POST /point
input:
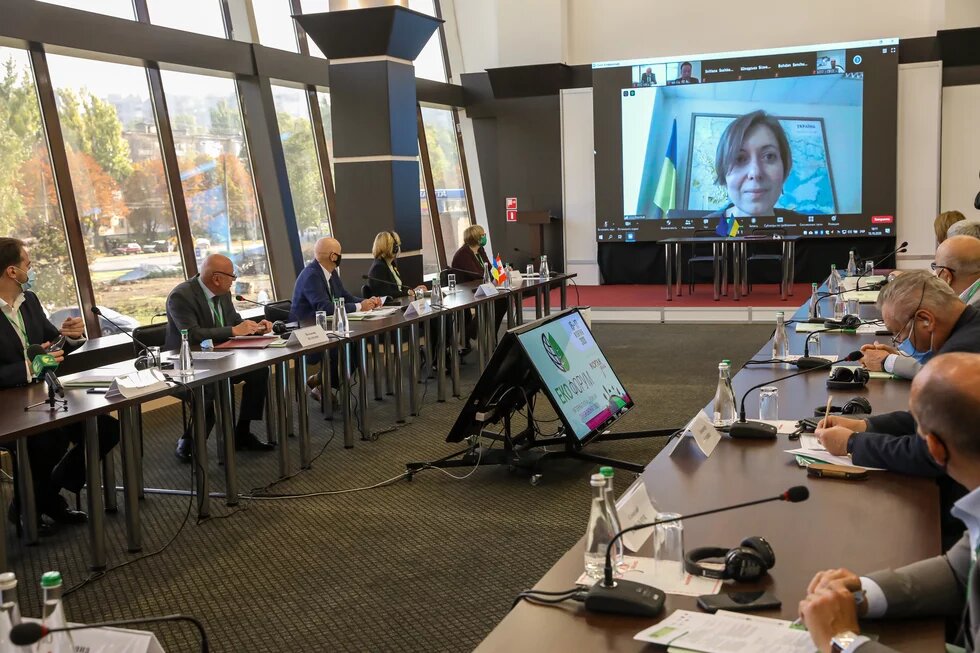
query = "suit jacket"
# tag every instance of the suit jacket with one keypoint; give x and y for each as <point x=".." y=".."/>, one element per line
<point x="188" y="308"/>
<point x="311" y="294"/>
<point x="464" y="259"/>
<point x="39" y="329"/>
<point x="383" y="282"/>
<point x="935" y="587"/>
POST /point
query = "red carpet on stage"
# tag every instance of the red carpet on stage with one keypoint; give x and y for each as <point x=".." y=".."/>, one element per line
<point x="655" y="296"/>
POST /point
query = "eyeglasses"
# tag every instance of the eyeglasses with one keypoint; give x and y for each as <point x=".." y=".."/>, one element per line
<point x="231" y="276"/>
<point x="898" y="339"/>
<point x="936" y="267"/>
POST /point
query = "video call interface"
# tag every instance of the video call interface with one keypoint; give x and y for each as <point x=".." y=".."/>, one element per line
<point x="786" y="141"/>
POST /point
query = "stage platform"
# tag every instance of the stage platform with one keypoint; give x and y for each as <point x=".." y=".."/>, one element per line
<point x="648" y="303"/>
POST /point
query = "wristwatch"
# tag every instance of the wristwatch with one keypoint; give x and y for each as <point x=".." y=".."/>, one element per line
<point x="840" y="641"/>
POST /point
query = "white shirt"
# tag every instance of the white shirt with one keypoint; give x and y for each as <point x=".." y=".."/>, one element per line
<point x="210" y="297"/>
<point x="326" y="275"/>
<point x="12" y="313"/>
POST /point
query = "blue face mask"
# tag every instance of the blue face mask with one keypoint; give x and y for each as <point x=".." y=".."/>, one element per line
<point x="31" y="279"/>
<point x="908" y="348"/>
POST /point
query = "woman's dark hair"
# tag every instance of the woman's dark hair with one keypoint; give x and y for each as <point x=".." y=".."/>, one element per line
<point x="731" y="142"/>
<point x="11" y="251"/>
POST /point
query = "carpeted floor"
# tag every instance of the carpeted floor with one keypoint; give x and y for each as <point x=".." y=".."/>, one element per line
<point x="426" y="565"/>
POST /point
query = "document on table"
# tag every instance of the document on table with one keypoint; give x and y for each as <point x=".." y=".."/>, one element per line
<point x="726" y="632"/>
<point x="209" y="355"/>
<point x="99" y="377"/>
<point x="667" y="576"/>
<point x="851" y="283"/>
<point x="816" y="455"/>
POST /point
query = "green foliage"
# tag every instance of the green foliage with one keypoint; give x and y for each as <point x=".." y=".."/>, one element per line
<point x="225" y="119"/>
<point x="146" y="193"/>
<point x="303" y="168"/>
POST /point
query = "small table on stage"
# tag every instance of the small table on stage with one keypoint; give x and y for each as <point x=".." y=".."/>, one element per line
<point x="739" y="244"/>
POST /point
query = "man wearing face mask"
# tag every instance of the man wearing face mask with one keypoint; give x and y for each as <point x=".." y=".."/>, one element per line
<point x="924" y="310"/>
<point x="203" y="306"/>
<point x="53" y="465"/>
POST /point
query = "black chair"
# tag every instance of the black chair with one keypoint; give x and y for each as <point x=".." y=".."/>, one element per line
<point x="275" y="311"/>
<point x="701" y="254"/>
<point x="764" y="252"/>
<point x="153" y="335"/>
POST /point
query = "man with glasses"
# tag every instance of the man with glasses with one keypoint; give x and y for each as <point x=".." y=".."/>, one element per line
<point x="922" y="309"/>
<point x="202" y="305"/>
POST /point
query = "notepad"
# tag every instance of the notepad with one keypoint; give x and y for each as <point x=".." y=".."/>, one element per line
<point x="726" y="632"/>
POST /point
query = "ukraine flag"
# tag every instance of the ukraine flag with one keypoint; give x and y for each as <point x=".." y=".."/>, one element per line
<point x="727" y="227"/>
<point x="666" y="195"/>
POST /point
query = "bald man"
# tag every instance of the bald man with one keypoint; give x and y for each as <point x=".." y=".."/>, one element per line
<point x="945" y="400"/>
<point x="202" y="305"/>
<point x="319" y="284"/>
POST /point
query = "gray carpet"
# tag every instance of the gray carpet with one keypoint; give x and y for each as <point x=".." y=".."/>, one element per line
<point x="427" y="565"/>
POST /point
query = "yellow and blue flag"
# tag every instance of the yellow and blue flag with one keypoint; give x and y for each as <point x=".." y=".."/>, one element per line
<point x="727" y="227"/>
<point x="666" y="196"/>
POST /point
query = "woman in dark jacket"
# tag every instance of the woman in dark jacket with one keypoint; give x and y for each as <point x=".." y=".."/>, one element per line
<point x="469" y="263"/>
<point x="385" y="278"/>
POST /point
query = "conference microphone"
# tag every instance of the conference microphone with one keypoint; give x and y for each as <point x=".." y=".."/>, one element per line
<point x="283" y="326"/>
<point x="901" y="249"/>
<point x="399" y="286"/>
<point x="806" y="362"/>
<point x="43" y="366"/>
<point x="142" y="362"/>
<point x="632" y="598"/>
<point x="758" y="430"/>
<point x="26" y="634"/>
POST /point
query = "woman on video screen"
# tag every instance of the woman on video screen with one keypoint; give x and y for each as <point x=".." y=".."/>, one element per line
<point x="752" y="161"/>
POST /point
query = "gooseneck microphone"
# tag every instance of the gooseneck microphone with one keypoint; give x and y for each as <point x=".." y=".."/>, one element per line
<point x="632" y="598"/>
<point x="806" y="362"/>
<point x="387" y="282"/>
<point x="26" y="634"/>
<point x="901" y="249"/>
<point x="44" y="365"/>
<point x="142" y="362"/>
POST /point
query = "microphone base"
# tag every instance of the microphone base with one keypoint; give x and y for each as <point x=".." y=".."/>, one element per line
<point x="811" y="363"/>
<point x="625" y="597"/>
<point x="752" y="430"/>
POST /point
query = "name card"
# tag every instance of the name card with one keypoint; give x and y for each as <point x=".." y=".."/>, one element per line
<point x="635" y="507"/>
<point x="418" y="308"/>
<point x="705" y="433"/>
<point x="138" y="383"/>
<point x="486" y="290"/>
<point x="516" y="278"/>
<point x="308" y="336"/>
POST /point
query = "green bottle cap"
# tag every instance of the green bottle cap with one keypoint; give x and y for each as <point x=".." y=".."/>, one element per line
<point x="725" y="360"/>
<point x="606" y="471"/>
<point x="51" y="579"/>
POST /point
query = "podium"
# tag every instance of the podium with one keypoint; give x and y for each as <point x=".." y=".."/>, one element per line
<point x="536" y="220"/>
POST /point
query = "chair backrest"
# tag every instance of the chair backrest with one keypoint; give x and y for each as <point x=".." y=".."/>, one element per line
<point x="153" y="335"/>
<point x="278" y="310"/>
<point x="366" y="291"/>
<point x="704" y="233"/>
<point x="769" y="231"/>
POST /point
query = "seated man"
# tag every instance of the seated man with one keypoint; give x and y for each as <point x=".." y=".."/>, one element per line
<point x="964" y="228"/>
<point x="53" y="465"/>
<point x="316" y="288"/>
<point x="945" y="399"/>
<point x="958" y="264"/>
<point x="202" y="305"/>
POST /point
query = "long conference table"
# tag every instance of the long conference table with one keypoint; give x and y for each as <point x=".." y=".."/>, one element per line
<point x="885" y="522"/>
<point x="375" y="344"/>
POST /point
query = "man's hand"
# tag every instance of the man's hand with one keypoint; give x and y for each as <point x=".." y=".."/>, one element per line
<point x="827" y="612"/>
<point x="59" y="355"/>
<point x="856" y="425"/>
<point x="370" y="303"/>
<point x="266" y="326"/>
<point x="875" y="355"/>
<point x="834" y="439"/>
<point x="246" y="328"/>
<point x="73" y="327"/>
<point x="830" y="577"/>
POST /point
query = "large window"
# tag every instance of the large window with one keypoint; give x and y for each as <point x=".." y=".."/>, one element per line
<point x="302" y="165"/>
<point x="216" y="177"/>
<point x="447" y="175"/>
<point x="430" y="260"/>
<point x="314" y="7"/>
<point x="29" y="207"/>
<point x="120" y="188"/>
<point x="323" y="99"/>
<point x="117" y="8"/>
<point x="275" y="23"/>
<point x="201" y="16"/>
<point x="430" y="63"/>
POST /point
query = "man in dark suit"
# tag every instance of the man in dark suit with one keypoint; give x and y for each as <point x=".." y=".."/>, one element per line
<point x="945" y="400"/>
<point x="202" y="305"/>
<point x="53" y="465"/>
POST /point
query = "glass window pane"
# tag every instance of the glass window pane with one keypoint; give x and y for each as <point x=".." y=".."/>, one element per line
<point x="119" y="184"/>
<point x="430" y="260"/>
<point x="216" y="176"/>
<point x="447" y="175"/>
<point x="274" y="21"/>
<point x="314" y="7"/>
<point x="302" y="165"/>
<point x="29" y="207"/>
<point x="323" y="98"/>
<point x="429" y="64"/>
<point x="201" y="16"/>
<point x="117" y="8"/>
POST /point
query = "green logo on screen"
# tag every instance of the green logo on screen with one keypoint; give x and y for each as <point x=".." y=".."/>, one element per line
<point x="555" y="353"/>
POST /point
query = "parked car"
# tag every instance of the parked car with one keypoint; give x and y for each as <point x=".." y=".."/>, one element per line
<point x="128" y="248"/>
<point x="155" y="246"/>
<point x="125" y="323"/>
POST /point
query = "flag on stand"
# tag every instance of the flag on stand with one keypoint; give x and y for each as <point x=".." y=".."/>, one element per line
<point x="666" y="195"/>
<point x="499" y="272"/>
<point x="727" y="227"/>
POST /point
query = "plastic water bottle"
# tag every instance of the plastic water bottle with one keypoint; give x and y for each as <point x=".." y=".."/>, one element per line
<point x="840" y="307"/>
<point x="487" y="278"/>
<point x="341" y="325"/>
<point x="54" y="616"/>
<point x="724" y="403"/>
<point x="833" y="282"/>
<point x="852" y="266"/>
<point x="186" y="361"/>
<point x="780" y="344"/>
<point x="608" y="473"/>
<point x="507" y="272"/>
<point x="814" y="303"/>
<point x="435" y="297"/>
<point x="544" y="270"/>
<point x="9" y="610"/>
<point x="600" y="531"/>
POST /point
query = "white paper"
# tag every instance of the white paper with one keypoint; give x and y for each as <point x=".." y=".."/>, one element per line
<point x="209" y="355"/>
<point x="811" y="442"/>
<point x="720" y="633"/>
<point x="665" y="576"/>
<point x="418" y="307"/>
<point x="850" y="283"/>
<point x="635" y="507"/>
<point x="308" y="336"/>
<point x="138" y="383"/>
<point x="485" y="290"/>
<point x="830" y="458"/>
<point x="705" y="433"/>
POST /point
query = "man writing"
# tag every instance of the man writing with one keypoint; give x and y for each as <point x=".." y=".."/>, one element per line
<point x="944" y="399"/>
<point x="53" y="465"/>
<point x="202" y="305"/>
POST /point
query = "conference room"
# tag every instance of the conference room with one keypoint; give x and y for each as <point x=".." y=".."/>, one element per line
<point x="445" y="325"/>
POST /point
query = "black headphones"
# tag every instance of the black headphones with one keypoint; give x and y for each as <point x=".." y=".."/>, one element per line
<point x="279" y="327"/>
<point x="747" y="562"/>
<point x="395" y="245"/>
<point x="854" y="406"/>
<point x="848" y="378"/>
<point x="846" y="322"/>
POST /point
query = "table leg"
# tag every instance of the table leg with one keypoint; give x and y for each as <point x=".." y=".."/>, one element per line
<point x="286" y="402"/>
<point x="743" y="255"/>
<point x="138" y="442"/>
<point x="456" y="333"/>
<point x="413" y="368"/>
<point x="397" y="368"/>
<point x="346" y="412"/>
<point x="677" y="268"/>
<point x="563" y="290"/>
<point x="96" y="510"/>
<point x="430" y="347"/>
<point x="669" y="270"/>
<point x="441" y="359"/>
<point x="716" y="262"/>
<point x="28" y="502"/>
<point x="326" y="387"/>
<point x="546" y="292"/>
<point x="389" y="368"/>
<point x="130" y="492"/>
<point x="784" y="277"/>
<point x="538" y="303"/>
<point x="303" y="417"/>
<point x="724" y="269"/>
<point x="736" y="271"/>
<point x="792" y="267"/>
<point x="362" y="393"/>
<point x="284" y="406"/>
<point x="511" y="317"/>
<point x="200" y="460"/>
<point x="109" y="482"/>
<point x="519" y="310"/>
<point x="481" y="343"/>
<point x="378" y="366"/>
<point x="272" y="424"/>
<point x="226" y="428"/>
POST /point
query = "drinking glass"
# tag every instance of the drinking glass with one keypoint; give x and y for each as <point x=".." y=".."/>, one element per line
<point x="668" y="547"/>
<point x="853" y="307"/>
<point x="530" y="270"/>
<point x="321" y="320"/>
<point x="869" y="268"/>
<point x="153" y="354"/>
<point x="452" y="284"/>
<point x="815" y="344"/>
<point x="769" y="403"/>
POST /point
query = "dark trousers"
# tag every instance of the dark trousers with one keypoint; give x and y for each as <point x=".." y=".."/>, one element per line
<point x="471" y="323"/>
<point x="252" y="406"/>
<point x="58" y="461"/>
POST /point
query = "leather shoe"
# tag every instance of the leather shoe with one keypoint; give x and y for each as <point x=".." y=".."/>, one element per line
<point x="183" y="451"/>
<point x="249" y="442"/>
<point x="44" y="528"/>
<point x="67" y="516"/>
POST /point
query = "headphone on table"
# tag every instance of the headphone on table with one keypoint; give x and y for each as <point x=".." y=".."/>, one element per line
<point x="745" y="563"/>
<point x="854" y="406"/>
<point x="848" y="378"/>
<point x="846" y="322"/>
